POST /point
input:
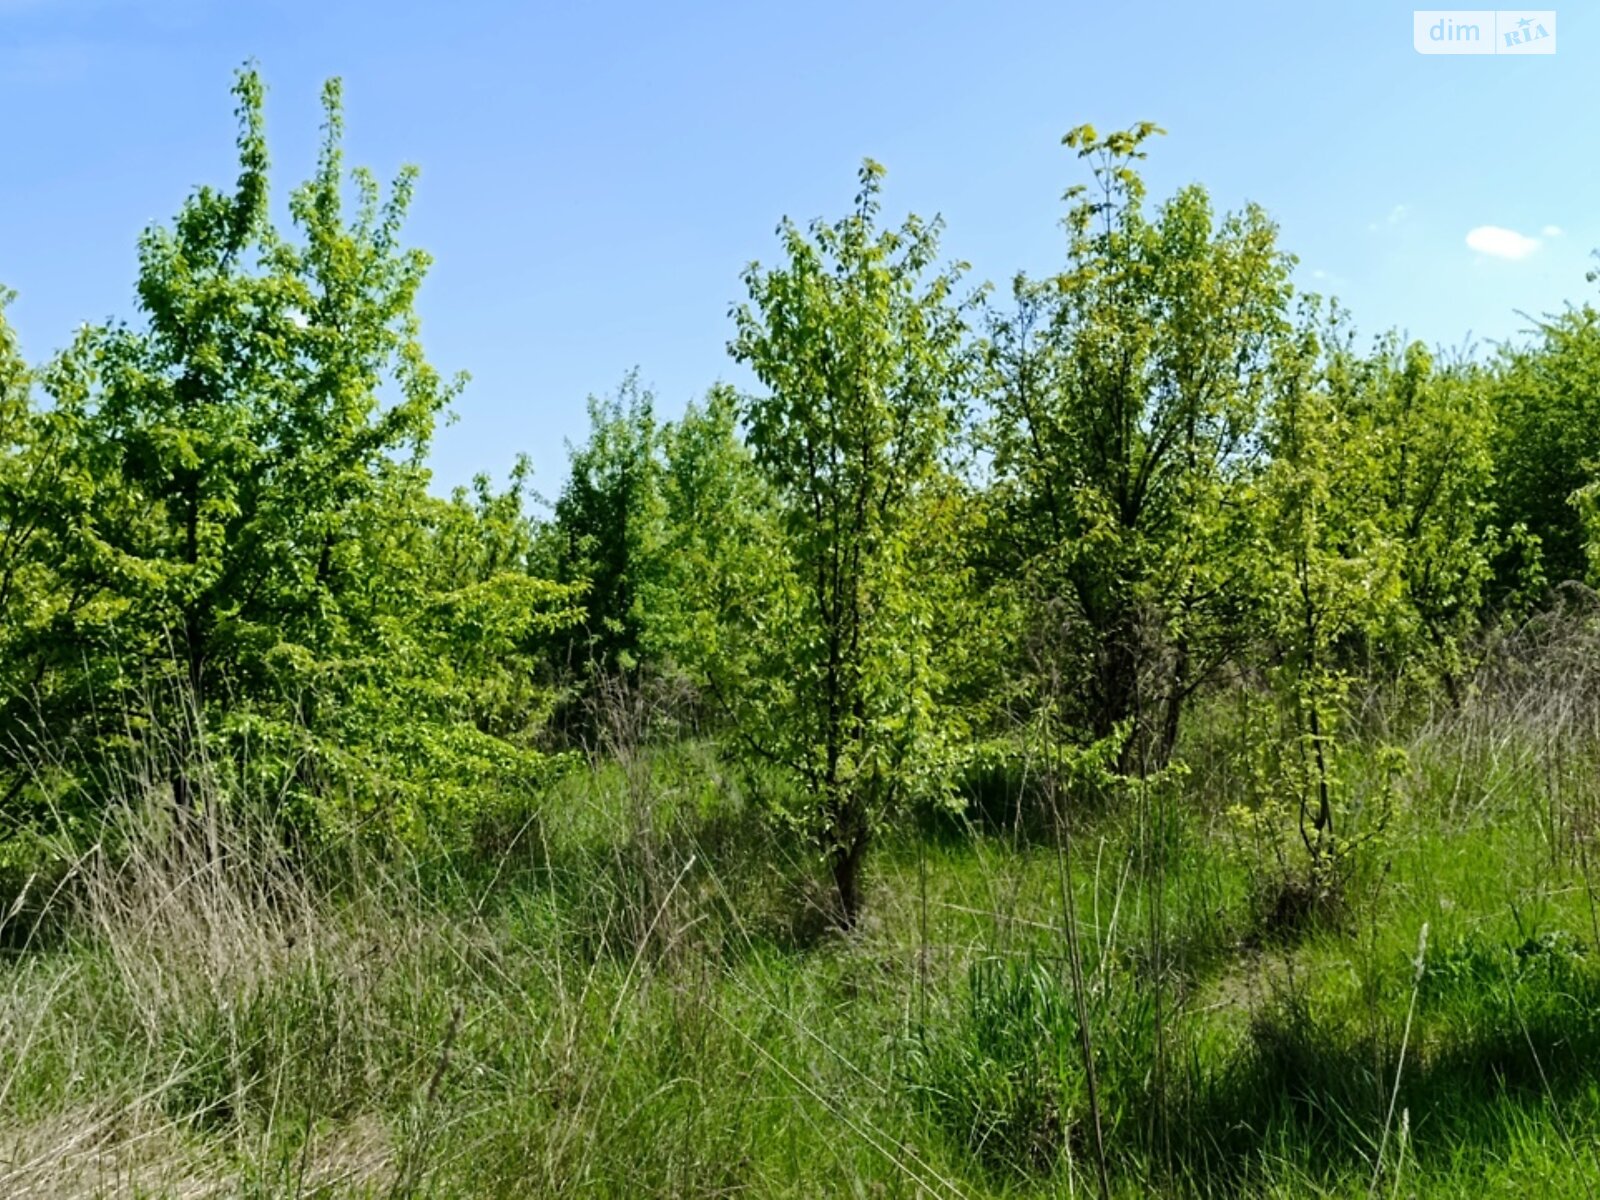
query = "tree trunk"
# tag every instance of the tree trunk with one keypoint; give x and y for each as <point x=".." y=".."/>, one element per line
<point x="1117" y="671"/>
<point x="1173" y="708"/>
<point x="848" y="855"/>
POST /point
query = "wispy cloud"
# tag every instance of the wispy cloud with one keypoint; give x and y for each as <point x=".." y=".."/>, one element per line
<point x="1498" y="242"/>
<point x="1397" y="214"/>
<point x="1552" y="231"/>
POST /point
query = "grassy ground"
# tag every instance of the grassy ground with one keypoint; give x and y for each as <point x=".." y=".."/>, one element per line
<point x="626" y="989"/>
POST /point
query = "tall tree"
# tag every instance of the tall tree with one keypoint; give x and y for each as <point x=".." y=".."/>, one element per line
<point x="246" y="414"/>
<point x="1127" y="408"/>
<point x="256" y="566"/>
<point x="861" y="345"/>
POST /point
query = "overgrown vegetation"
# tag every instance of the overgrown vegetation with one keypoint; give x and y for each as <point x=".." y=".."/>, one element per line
<point x="1128" y="736"/>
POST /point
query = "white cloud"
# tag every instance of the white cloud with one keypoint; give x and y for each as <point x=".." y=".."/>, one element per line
<point x="1552" y="231"/>
<point x="1396" y="214"/>
<point x="1501" y="243"/>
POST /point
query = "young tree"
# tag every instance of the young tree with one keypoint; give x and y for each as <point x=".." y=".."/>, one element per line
<point x="1436" y="431"/>
<point x="1546" y="400"/>
<point x="254" y="569"/>
<point x="717" y="521"/>
<point x="1332" y="563"/>
<point x="608" y="527"/>
<point x="22" y="510"/>
<point x="431" y="706"/>
<point x="862" y="348"/>
<point x="36" y="490"/>
<point x="245" y="415"/>
<point x="1127" y="405"/>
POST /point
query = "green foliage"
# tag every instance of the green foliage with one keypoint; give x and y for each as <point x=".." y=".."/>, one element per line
<point x="1128" y="396"/>
<point x="230" y="497"/>
<point x="1436" y="435"/>
<point x="31" y="500"/>
<point x="609" y="525"/>
<point x="719" y="529"/>
<point x="1545" y="394"/>
<point x="1163" y="575"/>
<point x="909" y="547"/>
<point x="664" y="526"/>
<point x="1333" y="572"/>
<point x="862" y="347"/>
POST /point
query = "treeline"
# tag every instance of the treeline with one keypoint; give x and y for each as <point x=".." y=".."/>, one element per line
<point x="948" y="528"/>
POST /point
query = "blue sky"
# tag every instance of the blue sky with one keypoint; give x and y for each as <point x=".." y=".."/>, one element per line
<point x="595" y="175"/>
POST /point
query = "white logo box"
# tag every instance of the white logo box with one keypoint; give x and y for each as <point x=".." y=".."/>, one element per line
<point x="1484" y="31"/>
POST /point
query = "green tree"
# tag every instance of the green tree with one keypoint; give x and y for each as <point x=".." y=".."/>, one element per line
<point x="1546" y="397"/>
<point x="608" y="527"/>
<point x="36" y="491"/>
<point x="1330" y="554"/>
<point x="660" y="523"/>
<point x="718" y="520"/>
<point x="245" y="413"/>
<point x="862" y="348"/>
<point x="65" y="591"/>
<point x="22" y="515"/>
<point x="1436" y="436"/>
<point x="1127" y="405"/>
<point x="257" y="569"/>
<point x="429" y="707"/>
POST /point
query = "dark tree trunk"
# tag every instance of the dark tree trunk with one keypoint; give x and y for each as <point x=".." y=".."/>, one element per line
<point x="846" y="859"/>
<point x="1172" y="713"/>
<point x="1117" y="671"/>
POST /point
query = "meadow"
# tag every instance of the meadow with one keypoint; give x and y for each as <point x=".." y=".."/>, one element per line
<point x="1125" y="738"/>
<point x="631" y="988"/>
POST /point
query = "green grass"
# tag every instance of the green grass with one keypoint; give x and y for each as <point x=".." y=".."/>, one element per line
<point x="628" y="989"/>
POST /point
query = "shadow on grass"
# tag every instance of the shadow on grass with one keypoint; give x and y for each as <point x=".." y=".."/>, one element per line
<point x="1495" y="1025"/>
<point x="1007" y="799"/>
<point x="718" y="879"/>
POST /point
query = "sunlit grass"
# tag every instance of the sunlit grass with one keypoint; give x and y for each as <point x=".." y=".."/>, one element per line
<point x="629" y="989"/>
